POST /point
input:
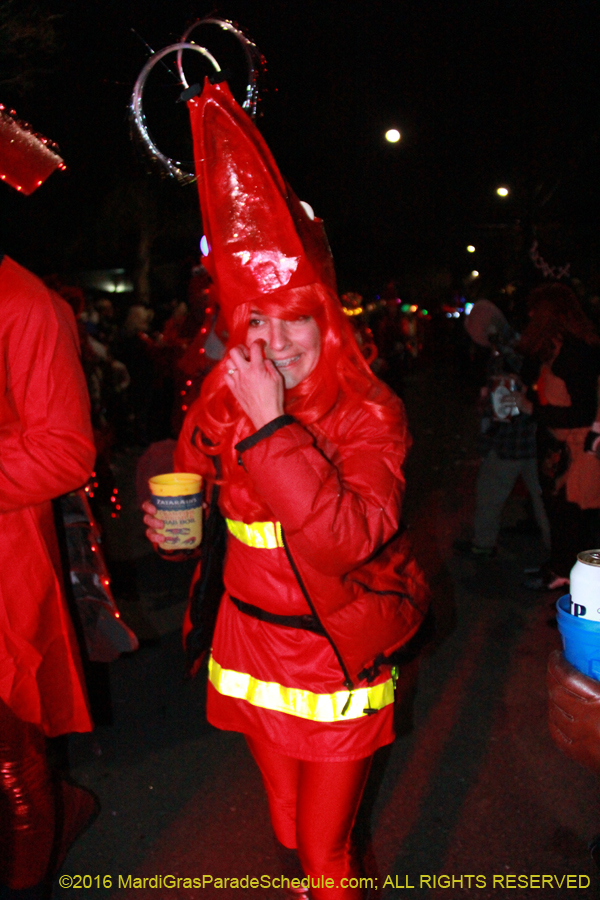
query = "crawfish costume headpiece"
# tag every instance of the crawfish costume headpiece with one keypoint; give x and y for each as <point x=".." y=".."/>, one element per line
<point x="259" y="239"/>
<point x="262" y="247"/>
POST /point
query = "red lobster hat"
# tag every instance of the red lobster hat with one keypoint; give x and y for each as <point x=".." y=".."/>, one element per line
<point x="26" y="159"/>
<point x="260" y="239"/>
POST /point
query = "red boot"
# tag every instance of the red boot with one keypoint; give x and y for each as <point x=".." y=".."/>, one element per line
<point x="27" y="803"/>
<point x="296" y="893"/>
<point x="40" y="817"/>
<point x="292" y="870"/>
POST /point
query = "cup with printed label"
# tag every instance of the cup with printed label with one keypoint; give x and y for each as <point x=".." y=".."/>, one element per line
<point x="178" y="500"/>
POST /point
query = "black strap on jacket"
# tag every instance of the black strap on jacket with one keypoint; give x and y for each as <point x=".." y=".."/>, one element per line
<point x="305" y="623"/>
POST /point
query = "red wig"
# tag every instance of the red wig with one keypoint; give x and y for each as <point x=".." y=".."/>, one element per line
<point x="341" y="373"/>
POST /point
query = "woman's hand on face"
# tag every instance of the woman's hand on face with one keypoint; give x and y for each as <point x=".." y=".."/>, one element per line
<point x="155" y="526"/>
<point x="255" y="383"/>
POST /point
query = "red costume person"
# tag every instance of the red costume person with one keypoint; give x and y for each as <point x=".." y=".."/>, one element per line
<point x="46" y="449"/>
<point x="320" y="583"/>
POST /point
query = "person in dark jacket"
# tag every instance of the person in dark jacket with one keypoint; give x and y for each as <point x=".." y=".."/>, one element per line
<point x="507" y="437"/>
<point x="563" y="350"/>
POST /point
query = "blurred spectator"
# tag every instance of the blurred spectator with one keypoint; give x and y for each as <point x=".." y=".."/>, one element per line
<point x="135" y="350"/>
<point x="389" y="339"/>
<point x="508" y="437"/>
<point x="353" y="307"/>
<point x="564" y="356"/>
<point x="47" y="449"/>
<point x="201" y="355"/>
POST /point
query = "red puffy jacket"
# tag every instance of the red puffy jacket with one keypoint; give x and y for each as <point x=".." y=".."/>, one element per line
<point x="337" y="493"/>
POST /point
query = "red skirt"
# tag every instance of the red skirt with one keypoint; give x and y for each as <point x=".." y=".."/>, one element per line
<point x="276" y="657"/>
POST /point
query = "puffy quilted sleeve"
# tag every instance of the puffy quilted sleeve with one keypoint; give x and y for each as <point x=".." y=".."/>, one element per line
<point x="340" y="502"/>
<point x="189" y="456"/>
<point x="46" y="442"/>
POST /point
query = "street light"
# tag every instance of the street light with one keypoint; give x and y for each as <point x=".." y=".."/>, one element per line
<point x="502" y="191"/>
<point x="392" y="136"/>
<point x="470" y="248"/>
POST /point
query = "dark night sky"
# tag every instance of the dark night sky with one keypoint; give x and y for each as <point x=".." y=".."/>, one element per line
<point x="483" y="93"/>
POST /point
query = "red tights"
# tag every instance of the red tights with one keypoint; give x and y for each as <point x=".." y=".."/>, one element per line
<point x="313" y="806"/>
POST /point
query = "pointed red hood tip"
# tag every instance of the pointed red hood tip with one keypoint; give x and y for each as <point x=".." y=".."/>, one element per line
<point x="260" y="239"/>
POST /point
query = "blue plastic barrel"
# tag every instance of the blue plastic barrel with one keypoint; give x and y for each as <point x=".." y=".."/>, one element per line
<point x="581" y="639"/>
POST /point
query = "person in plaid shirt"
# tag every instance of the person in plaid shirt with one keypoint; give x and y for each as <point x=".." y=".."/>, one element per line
<point x="508" y="436"/>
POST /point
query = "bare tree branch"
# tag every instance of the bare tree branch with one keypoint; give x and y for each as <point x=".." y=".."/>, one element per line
<point x="29" y="40"/>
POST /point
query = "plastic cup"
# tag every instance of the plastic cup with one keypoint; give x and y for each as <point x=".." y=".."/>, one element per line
<point x="177" y="498"/>
<point x="580" y="637"/>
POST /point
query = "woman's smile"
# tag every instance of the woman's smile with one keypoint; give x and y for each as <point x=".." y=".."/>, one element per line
<point x="283" y="363"/>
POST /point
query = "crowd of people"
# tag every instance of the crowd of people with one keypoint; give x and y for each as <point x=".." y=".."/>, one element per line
<point x="144" y="366"/>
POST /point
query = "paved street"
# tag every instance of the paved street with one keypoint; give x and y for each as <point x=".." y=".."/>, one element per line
<point x="472" y="787"/>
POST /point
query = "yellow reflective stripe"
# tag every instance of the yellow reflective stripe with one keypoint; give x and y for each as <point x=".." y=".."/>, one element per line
<point x="298" y="702"/>
<point x="263" y="535"/>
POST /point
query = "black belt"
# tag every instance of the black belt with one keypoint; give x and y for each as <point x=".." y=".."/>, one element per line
<point x="305" y="623"/>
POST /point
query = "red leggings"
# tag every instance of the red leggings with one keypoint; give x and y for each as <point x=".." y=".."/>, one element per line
<point x="313" y="806"/>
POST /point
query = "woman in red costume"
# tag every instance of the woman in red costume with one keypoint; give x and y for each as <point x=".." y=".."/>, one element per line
<point x="46" y="449"/>
<point x="320" y="583"/>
